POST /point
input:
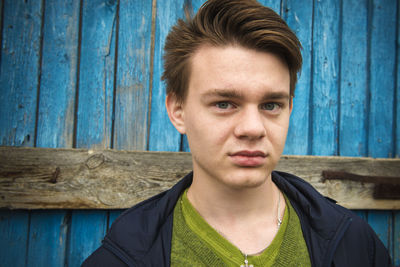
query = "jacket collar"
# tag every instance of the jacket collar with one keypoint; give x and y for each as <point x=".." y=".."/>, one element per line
<point x="322" y="221"/>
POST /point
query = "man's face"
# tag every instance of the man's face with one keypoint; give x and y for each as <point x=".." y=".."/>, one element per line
<point x="236" y="114"/>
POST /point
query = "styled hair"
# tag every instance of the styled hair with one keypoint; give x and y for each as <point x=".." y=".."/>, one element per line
<point x="245" y="23"/>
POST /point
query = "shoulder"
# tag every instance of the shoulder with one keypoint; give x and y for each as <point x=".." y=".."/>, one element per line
<point x="122" y="246"/>
<point x="151" y="213"/>
<point x="142" y="233"/>
<point x="134" y="215"/>
<point x="357" y="245"/>
<point x="360" y="245"/>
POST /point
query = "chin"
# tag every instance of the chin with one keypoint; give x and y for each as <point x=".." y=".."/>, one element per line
<point x="247" y="180"/>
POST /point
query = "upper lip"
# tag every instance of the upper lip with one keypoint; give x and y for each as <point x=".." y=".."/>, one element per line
<point x="249" y="153"/>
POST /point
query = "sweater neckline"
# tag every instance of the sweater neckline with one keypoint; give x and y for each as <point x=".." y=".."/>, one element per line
<point x="222" y="247"/>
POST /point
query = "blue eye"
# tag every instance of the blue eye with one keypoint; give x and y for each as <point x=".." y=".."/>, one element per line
<point x="223" y="105"/>
<point x="270" y="106"/>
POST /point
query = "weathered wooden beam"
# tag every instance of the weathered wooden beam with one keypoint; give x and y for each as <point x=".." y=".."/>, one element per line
<point x="41" y="178"/>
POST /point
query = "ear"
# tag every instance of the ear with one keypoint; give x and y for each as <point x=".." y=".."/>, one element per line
<point x="176" y="113"/>
<point x="290" y="105"/>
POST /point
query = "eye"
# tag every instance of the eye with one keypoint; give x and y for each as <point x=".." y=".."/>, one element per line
<point x="270" y="106"/>
<point x="223" y="105"/>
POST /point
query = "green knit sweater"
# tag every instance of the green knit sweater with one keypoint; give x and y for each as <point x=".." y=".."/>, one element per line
<point x="196" y="243"/>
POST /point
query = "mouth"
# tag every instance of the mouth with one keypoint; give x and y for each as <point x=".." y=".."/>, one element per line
<point x="248" y="158"/>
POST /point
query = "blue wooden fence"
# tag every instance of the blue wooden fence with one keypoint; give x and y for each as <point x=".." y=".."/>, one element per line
<point x="86" y="74"/>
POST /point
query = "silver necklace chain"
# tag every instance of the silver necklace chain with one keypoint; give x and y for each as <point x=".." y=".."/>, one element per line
<point x="246" y="261"/>
<point x="277" y="215"/>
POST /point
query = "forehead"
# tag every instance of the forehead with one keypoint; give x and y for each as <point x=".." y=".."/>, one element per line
<point x="237" y="69"/>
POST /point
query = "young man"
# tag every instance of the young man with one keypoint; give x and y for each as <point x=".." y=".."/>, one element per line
<point x="230" y="74"/>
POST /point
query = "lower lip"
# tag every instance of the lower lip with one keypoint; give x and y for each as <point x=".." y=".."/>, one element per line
<point x="246" y="161"/>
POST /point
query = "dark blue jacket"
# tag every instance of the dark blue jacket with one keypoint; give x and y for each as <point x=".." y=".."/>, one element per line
<point x="335" y="236"/>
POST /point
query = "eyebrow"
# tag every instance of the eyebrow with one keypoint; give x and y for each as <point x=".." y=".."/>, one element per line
<point x="228" y="93"/>
<point x="235" y="94"/>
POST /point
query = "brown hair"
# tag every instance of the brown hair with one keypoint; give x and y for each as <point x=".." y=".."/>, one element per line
<point x="228" y="22"/>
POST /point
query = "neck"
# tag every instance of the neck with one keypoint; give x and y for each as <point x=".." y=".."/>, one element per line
<point x="218" y="203"/>
<point x="247" y="217"/>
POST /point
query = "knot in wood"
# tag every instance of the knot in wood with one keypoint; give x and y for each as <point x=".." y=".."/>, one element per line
<point x="55" y="175"/>
<point x="95" y="161"/>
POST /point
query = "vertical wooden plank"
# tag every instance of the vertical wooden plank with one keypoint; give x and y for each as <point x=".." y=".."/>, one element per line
<point x="55" y="119"/>
<point x="1" y="26"/>
<point x="353" y="83"/>
<point x="87" y="230"/>
<point x="19" y="71"/>
<point x="163" y="135"/>
<point x="381" y="222"/>
<point x="59" y="70"/>
<point x="48" y="231"/>
<point x="14" y="226"/>
<point x="397" y="103"/>
<point x="396" y="214"/>
<point x="299" y="17"/>
<point x="133" y="78"/>
<point x="382" y="92"/>
<point x="133" y="75"/>
<point x="382" y="86"/>
<point x="94" y="116"/>
<point x="325" y="77"/>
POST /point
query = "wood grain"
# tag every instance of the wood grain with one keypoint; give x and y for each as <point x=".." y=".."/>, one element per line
<point x="47" y="227"/>
<point x="163" y="136"/>
<point x="397" y="101"/>
<point x="108" y="179"/>
<point x="55" y="120"/>
<point x="324" y="101"/>
<point x="299" y="17"/>
<point x="96" y="81"/>
<point x="95" y="112"/>
<point x="88" y="228"/>
<point x="14" y="227"/>
<point x="19" y="68"/>
<point x="382" y="91"/>
<point x="381" y="108"/>
<point x="133" y="75"/>
<point x="354" y="79"/>
<point x="58" y="78"/>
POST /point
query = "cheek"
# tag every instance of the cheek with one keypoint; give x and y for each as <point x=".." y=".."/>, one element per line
<point x="207" y="135"/>
<point x="277" y="133"/>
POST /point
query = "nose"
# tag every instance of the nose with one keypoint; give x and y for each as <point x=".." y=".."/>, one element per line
<point x="250" y="124"/>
